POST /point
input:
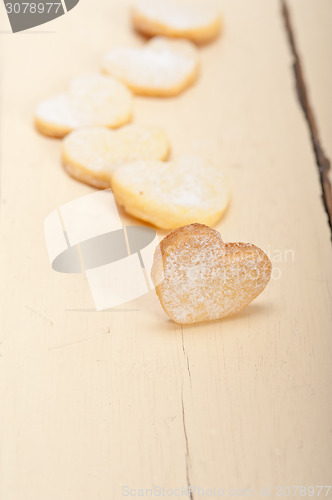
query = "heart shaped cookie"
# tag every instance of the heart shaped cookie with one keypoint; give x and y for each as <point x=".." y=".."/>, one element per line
<point x="91" y="100"/>
<point x="198" y="277"/>
<point x="162" y="67"/>
<point x="199" y="22"/>
<point x="90" y="154"/>
<point x="172" y="194"/>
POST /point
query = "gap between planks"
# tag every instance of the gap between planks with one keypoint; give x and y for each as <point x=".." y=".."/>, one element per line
<point x="322" y="161"/>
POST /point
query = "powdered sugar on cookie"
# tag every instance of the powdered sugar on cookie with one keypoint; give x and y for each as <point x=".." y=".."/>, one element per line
<point x="91" y="100"/>
<point x="90" y="154"/>
<point x="197" y="21"/>
<point x="170" y="194"/>
<point x="162" y="67"/>
<point x="204" y="278"/>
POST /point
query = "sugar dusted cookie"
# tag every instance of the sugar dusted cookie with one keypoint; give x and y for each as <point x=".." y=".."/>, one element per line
<point x="91" y="100"/>
<point x="196" y="21"/>
<point x="198" y="277"/>
<point x="171" y="194"/>
<point x="162" y="67"/>
<point x="90" y="154"/>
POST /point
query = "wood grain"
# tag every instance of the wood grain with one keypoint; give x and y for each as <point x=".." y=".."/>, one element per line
<point x="95" y="401"/>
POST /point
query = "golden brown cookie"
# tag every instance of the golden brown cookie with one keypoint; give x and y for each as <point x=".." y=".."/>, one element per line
<point x="199" y="22"/>
<point x="198" y="277"/>
<point x="90" y="154"/>
<point x="171" y="194"/>
<point x="162" y="67"/>
<point x="91" y="100"/>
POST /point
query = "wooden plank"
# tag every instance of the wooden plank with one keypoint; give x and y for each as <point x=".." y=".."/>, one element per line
<point x="312" y="23"/>
<point x="95" y="401"/>
<point x="322" y="160"/>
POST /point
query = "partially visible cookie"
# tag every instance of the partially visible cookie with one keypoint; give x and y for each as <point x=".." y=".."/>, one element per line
<point x="91" y="100"/>
<point x="90" y="154"/>
<point x="198" y="22"/>
<point x="198" y="277"/>
<point x="162" y="67"/>
<point x="172" y="194"/>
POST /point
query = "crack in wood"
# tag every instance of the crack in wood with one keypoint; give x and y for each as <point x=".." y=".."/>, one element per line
<point x="323" y="162"/>
<point x="64" y="346"/>
<point x="187" y="449"/>
<point x="186" y="356"/>
<point x="187" y="456"/>
<point x="40" y="315"/>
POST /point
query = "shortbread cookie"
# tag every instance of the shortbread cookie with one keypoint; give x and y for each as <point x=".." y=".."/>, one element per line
<point x="171" y="194"/>
<point x="91" y="100"/>
<point x="162" y="67"/>
<point x="199" y="22"/>
<point x="198" y="277"/>
<point x="90" y="154"/>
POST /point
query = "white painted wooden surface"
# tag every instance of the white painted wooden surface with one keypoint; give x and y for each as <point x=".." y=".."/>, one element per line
<point x="90" y="401"/>
<point x="312" y="27"/>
